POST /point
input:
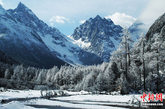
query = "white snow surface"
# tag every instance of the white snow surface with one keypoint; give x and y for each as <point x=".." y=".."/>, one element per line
<point x="15" y="105"/>
<point x="108" y="98"/>
<point x="2" y="35"/>
<point x="18" y="29"/>
<point x="62" y="47"/>
<point x="19" y="94"/>
<point x="72" y="105"/>
<point x="82" y="99"/>
<point x="79" y="42"/>
<point x="68" y="49"/>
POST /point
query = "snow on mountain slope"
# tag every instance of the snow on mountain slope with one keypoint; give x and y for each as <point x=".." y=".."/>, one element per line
<point x="63" y="49"/>
<point x="23" y="44"/>
<point x="79" y="42"/>
<point x="25" y="29"/>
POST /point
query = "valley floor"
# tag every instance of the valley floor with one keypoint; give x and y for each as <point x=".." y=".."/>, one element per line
<point x="74" y="100"/>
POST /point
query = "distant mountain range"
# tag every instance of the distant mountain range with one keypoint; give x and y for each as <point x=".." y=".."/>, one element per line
<point x="137" y="29"/>
<point x="30" y="41"/>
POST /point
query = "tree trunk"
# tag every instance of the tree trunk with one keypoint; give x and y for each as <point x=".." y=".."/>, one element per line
<point x="129" y="60"/>
<point x="157" y="68"/>
<point x="144" y="67"/>
<point x="121" y="65"/>
<point x="126" y="70"/>
<point x="140" y="78"/>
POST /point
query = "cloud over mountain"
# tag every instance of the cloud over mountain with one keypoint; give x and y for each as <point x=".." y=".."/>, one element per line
<point x="122" y="19"/>
<point x="58" y="19"/>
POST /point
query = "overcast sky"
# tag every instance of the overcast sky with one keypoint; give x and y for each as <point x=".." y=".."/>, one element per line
<point x="66" y="15"/>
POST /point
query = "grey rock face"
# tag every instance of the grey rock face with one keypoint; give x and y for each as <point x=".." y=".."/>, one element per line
<point x="157" y="27"/>
<point x="102" y="33"/>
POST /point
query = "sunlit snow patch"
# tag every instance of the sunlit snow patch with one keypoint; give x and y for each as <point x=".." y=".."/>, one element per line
<point x="79" y="42"/>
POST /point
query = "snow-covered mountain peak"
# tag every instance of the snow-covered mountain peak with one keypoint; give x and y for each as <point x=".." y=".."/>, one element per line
<point x="2" y="10"/>
<point x="22" y="7"/>
<point x="100" y="19"/>
<point x="97" y="17"/>
<point x="23" y="13"/>
<point x="102" y="34"/>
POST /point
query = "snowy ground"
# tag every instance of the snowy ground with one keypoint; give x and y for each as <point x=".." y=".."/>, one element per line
<point x="77" y="100"/>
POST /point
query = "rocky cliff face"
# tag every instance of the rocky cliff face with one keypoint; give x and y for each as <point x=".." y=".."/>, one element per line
<point x="102" y="34"/>
<point x="157" y="27"/>
<point x="156" y="34"/>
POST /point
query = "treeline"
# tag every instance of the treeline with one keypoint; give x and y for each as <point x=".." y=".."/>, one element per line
<point x="104" y="77"/>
